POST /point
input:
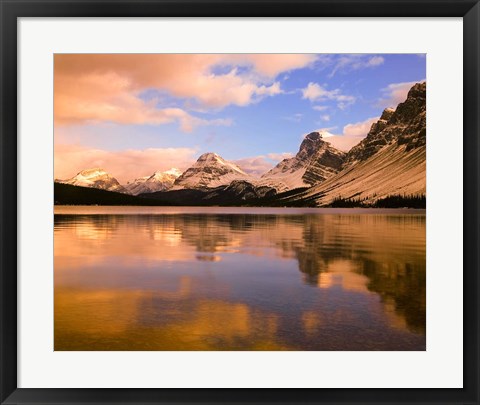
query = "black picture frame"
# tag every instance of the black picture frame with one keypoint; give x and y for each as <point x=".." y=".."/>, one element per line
<point x="11" y="10"/>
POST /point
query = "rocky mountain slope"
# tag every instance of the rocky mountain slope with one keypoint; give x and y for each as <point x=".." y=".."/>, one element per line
<point x="95" y="178"/>
<point x="315" y="162"/>
<point x="390" y="160"/>
<point x="158" y="181"/>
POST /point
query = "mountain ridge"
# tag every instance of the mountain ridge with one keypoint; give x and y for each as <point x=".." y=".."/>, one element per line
<point x="390" y="160"/>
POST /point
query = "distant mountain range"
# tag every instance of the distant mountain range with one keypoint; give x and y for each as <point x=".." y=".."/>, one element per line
<point x="99" y="178"/>
<point x="390" y="161"/>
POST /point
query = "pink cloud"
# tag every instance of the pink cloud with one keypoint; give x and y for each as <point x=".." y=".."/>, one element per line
<point x="395" y="93"/>
<point x="255" y="166"/>
<point x="107" y="87"/>
<point x="359" y="128"/>
<point x="352" y="134"/>
<point x="277" y="157"/>
<point x="271" y="65"/>
<point x="258" y="165"/>
<point x="343" y="142"/>
<point x="108" y="97"/>
<point x="124" y="165"/>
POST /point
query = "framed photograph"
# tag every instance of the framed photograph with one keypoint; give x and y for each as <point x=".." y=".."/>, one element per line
<point x="210" y="202"/>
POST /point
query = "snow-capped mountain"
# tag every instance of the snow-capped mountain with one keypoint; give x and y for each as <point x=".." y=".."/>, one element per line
<point x="95" y="178"/>
<point x="391" y="160"/>
<point x="158" y="181"/>
<point x="315" y="161"/>
<point x="209" y="171"/>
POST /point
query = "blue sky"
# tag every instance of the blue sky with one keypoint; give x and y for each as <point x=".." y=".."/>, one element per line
<point x="241" y="109"/>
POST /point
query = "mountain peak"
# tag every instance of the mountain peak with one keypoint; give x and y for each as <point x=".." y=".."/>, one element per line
<point x="97" y="178"/>
<point x="95" y="171"/>
<point x="173" y="171"/>
<point x="311" y="144"/>
<point x="211" y="159"/>
<point x="210" y="170"/>
<point x="158" y="181"/>
<point x="209" y="156"/>
<point x="387" y="113"/>
<point x="314" y="136"/>
<point x="418" y="90"/>
<point x="315" y="161"/>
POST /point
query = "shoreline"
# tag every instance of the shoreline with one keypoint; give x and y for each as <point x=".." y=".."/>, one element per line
<point x="212" y="210"/>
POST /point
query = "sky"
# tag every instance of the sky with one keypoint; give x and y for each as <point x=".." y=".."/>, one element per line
<point x="134" y="114"/>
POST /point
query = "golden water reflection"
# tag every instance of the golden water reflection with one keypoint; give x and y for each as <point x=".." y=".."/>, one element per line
<point x="206" y="281"/>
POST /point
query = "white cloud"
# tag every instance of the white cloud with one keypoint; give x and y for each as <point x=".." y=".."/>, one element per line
<point x="315" y="92"/>
<point x="375" y="61"/>
<point x="351" y="62"/>
<point x="325" y="117"/>
<point x="320" y="107"/>
<point x="295" y="117"/>
<point x="272" y="90"/>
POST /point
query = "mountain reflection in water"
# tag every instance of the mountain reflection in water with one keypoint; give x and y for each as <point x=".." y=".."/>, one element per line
<point x="237" y="281"/>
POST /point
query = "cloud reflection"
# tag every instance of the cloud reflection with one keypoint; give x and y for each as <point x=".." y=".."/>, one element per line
<point x="231" y="282"/>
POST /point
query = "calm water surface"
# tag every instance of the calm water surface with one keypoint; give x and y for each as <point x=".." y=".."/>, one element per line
<point x="170" y="278"/>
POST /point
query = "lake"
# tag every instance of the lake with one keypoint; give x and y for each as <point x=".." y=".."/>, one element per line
<point x="215" y="278"/>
